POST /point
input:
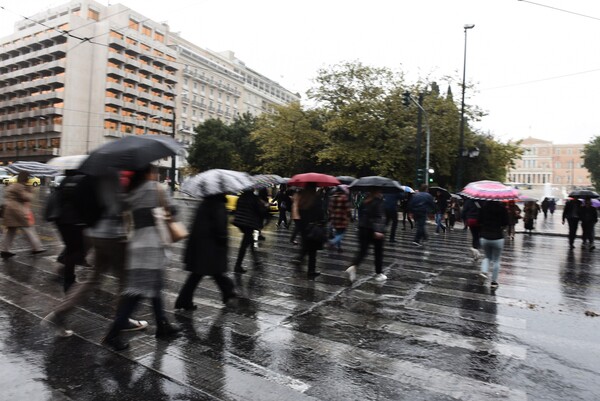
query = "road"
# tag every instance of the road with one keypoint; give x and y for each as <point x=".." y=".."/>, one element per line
<point x="430" y="332"/>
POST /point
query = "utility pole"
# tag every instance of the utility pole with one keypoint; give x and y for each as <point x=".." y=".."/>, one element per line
<point x="419" y="139"/>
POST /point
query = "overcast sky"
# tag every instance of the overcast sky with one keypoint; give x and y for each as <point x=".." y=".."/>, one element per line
<point x="536" y="70"/>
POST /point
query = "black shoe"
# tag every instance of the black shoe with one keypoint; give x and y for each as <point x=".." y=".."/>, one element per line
<point x="6" y="255"/>
<point x="312" y="275"/>
<point x="38" y="251"/>
<point x="261" y="238"/>
<point x="186" y="306"/>
<point x="166" y="329"/>
<point x="228" y="297"/>
<point x="116" y="342"/>
<point x="239" y="269"/>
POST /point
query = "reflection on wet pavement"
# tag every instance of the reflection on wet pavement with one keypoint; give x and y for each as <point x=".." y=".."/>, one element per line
<point x="430" y="332"/>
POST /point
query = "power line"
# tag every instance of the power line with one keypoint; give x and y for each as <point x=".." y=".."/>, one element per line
<point x="541" y="80"/>
<point x="562" y="10"/>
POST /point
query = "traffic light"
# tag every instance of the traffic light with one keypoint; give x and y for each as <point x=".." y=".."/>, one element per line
<point x="420" y="178"/>
<point x="406" y="99"/>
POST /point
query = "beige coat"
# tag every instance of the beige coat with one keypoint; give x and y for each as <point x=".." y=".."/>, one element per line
<point x="17" y="201"/>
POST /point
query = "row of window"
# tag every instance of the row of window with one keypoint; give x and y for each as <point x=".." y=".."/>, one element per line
<point x="557" y="151"/>
<point x="31" y="144"/>
<point x="146" y="30"/>
<point x="30" y="123"/>
<point x="126" y="128"/>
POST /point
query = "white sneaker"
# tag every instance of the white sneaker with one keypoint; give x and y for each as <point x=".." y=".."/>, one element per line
<point x="351" y="273"/>
<point x="51" y="322"/>
<point x="380" y="277"/>
<point x="482" y="277"/>
<point x="476" y="254"/>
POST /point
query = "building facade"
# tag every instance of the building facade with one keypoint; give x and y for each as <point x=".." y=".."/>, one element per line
<point x="544" y="163"/>
<point x="83" y="74"/>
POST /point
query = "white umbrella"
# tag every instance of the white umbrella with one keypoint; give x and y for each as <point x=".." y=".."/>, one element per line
<point x="216" y="181"/>
<point x="67" y="162"/>
<point x="34" y="168"/>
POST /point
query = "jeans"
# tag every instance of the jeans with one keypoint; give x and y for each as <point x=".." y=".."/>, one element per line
<point x="492" y="249"/>
<point x="439" y="217"/>
<point x="366" y="238"/>
<point x="420" y="220"/>
<point x="337" y="239"/>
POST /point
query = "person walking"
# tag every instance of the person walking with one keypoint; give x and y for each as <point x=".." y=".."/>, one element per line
<point x="545" y="207"/>
<point x="295" y="216"/>
<point x="249" y="215"/>
<point x="18" y="215"/>
<point x="109" y="241"/>
<point x="283" y="201"/>
<point x="146" y="258"/>
<point x="453" y="213"/>
<point x="441" y="204"/>
<point x="514" y="214"/>
<point x="339" y="216"/>
<point x="589" y="217"/>
<point x="552" y="206"/>
<point x="420" y="204"/>
<point x="390" y="203"/>
<point x="404" y="209"/>
<point x="493" y="218"/>
<point x="470" y="215"/>
<point x="371" y="230"/>
<point x="530" y="210"/>
<point x="312" y="220"/>
<point x="571" y="215"/>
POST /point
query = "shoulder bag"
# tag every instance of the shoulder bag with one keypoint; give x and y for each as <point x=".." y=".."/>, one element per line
<point x="169" y="230"/>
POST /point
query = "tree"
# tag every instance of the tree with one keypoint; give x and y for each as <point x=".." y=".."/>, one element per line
<point x="591" y="160"/>
<point x="288" y="140"/>
<point x="247" y="153"/>
<point x="211" y="147"/>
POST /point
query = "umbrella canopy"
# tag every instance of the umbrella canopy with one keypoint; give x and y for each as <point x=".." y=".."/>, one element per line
<point x="525" y="198"/>
<point x="456" y="196"/>
<point x="132" y="152"/>
<point x="266" y="180"/>
<point x="346" y="179"/>
<point x="407" y="189"/>
<point x="34" y="168"/>
<point x="489" y="190"/>
<point x="215" y="182"/>
<point x="583" y="193"/>
<point x="67" y="162"/>
<point x="382" y="183"/>
<point x="434" y="190"/>
<point x="322" y="180"/>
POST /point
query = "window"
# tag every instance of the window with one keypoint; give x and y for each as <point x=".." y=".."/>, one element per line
<point x="76" y="11"/>
<point x="133" y="24"/>
<point x="557" y="152"/>
<point x="146" y="30"/>
<point x="114" y="34"/>
<point x="159" y="37"/>
<point x="93" y="15"/>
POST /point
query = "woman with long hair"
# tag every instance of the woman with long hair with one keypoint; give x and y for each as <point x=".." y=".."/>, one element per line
<point x="146" y="257"/>
<point x="492" y="218"/>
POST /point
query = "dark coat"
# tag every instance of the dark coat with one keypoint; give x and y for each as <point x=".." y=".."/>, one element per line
<point x="493" y="217"/>
<point x="206" y="250"/>
<point x="250" y="212"/>
<point x="372" y="215"/>
<point x="311" y="214"/>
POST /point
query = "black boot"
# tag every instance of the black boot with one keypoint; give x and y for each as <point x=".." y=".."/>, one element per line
<point x="114" y="340"/>
<point x="166" y="329"/>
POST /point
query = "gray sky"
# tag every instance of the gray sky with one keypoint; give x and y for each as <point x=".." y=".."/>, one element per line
<point x="516" y="52"/>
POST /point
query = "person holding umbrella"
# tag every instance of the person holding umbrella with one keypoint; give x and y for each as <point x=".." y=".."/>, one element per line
<point x="207" y="246"/>
<point x="312" y="223"/>
<point x="589" y="217"/>
<point x="420" y="204"/>
<point x="371" y="230"/>
<point x="492" y="218"/>
<point x="146" y="258"/>
<point x="250" y="213"/>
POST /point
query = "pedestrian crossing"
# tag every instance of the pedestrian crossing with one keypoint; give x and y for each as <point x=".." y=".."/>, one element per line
<point x="430" y="332"/>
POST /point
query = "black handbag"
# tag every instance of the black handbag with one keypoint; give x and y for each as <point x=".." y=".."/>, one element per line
<point x="316" y="233"/>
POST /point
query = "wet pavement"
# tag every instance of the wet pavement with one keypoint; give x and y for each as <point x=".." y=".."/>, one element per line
<point x="430" y="332"/>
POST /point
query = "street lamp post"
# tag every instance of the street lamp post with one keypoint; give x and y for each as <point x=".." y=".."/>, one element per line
<point x="461" y="159"/>
<point x="428" y="139"/>
<point x="174" y="157"/>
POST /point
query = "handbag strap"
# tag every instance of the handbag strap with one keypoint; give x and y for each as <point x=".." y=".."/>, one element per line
<point x="161" y="200"/>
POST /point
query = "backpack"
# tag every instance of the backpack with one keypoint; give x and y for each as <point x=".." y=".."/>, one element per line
<point x="80" y="200"/>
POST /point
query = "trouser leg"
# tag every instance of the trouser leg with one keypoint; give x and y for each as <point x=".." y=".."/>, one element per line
<point x="378" y="250"/>
<point x="9" y="237"/>
<point x="33" y="238"/>
<point x="186" y="294"/>
<point x="363" y="239"/>
<point x="226" y="286"/>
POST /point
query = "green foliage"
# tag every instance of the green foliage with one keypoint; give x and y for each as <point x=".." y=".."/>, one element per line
<point x="288" y="140"/>
<point x="210" y="148"/>
<point x="591" y="160"/>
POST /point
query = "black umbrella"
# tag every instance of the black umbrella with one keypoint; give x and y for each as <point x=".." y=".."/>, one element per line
<point x="133" y="152"/>
<point x="583" y="193"/>
<point x="444" y="192"/>
<point x="381" y="183"/>
<point x="346" y="179"/>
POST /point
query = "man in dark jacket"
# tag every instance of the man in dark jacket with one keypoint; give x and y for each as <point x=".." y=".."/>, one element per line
<point x="390" y="201"/>
<point x="419" y="205"/>
<point x="250" y="213"/>
<point x="571" y="214"/>
<point x="589" y="217"/>
<point x="206" y="251"/>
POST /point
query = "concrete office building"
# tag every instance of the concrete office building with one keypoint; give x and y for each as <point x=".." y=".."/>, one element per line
<point x="81" y="74"/>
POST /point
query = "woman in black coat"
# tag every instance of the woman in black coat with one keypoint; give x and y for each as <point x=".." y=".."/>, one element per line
<point x="206" y="251"/>
<point x="312" y="215"/>
<point x="250" y="213"/>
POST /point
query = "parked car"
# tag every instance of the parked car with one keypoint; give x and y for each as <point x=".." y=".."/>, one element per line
<point x="55" y="183"/>
<point x="33" y="181"/>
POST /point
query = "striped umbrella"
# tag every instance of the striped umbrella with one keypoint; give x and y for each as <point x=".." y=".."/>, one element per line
<point x="215" y="182"/>
<point x="266" y="180"/>
<point x="34" y="168"/>
<point x="67" y="162"/>
<point x="489" y="190"/>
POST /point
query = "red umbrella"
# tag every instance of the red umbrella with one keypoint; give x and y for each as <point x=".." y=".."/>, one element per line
<point x="489" y="190"/>
<point x="322" y="180"/>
